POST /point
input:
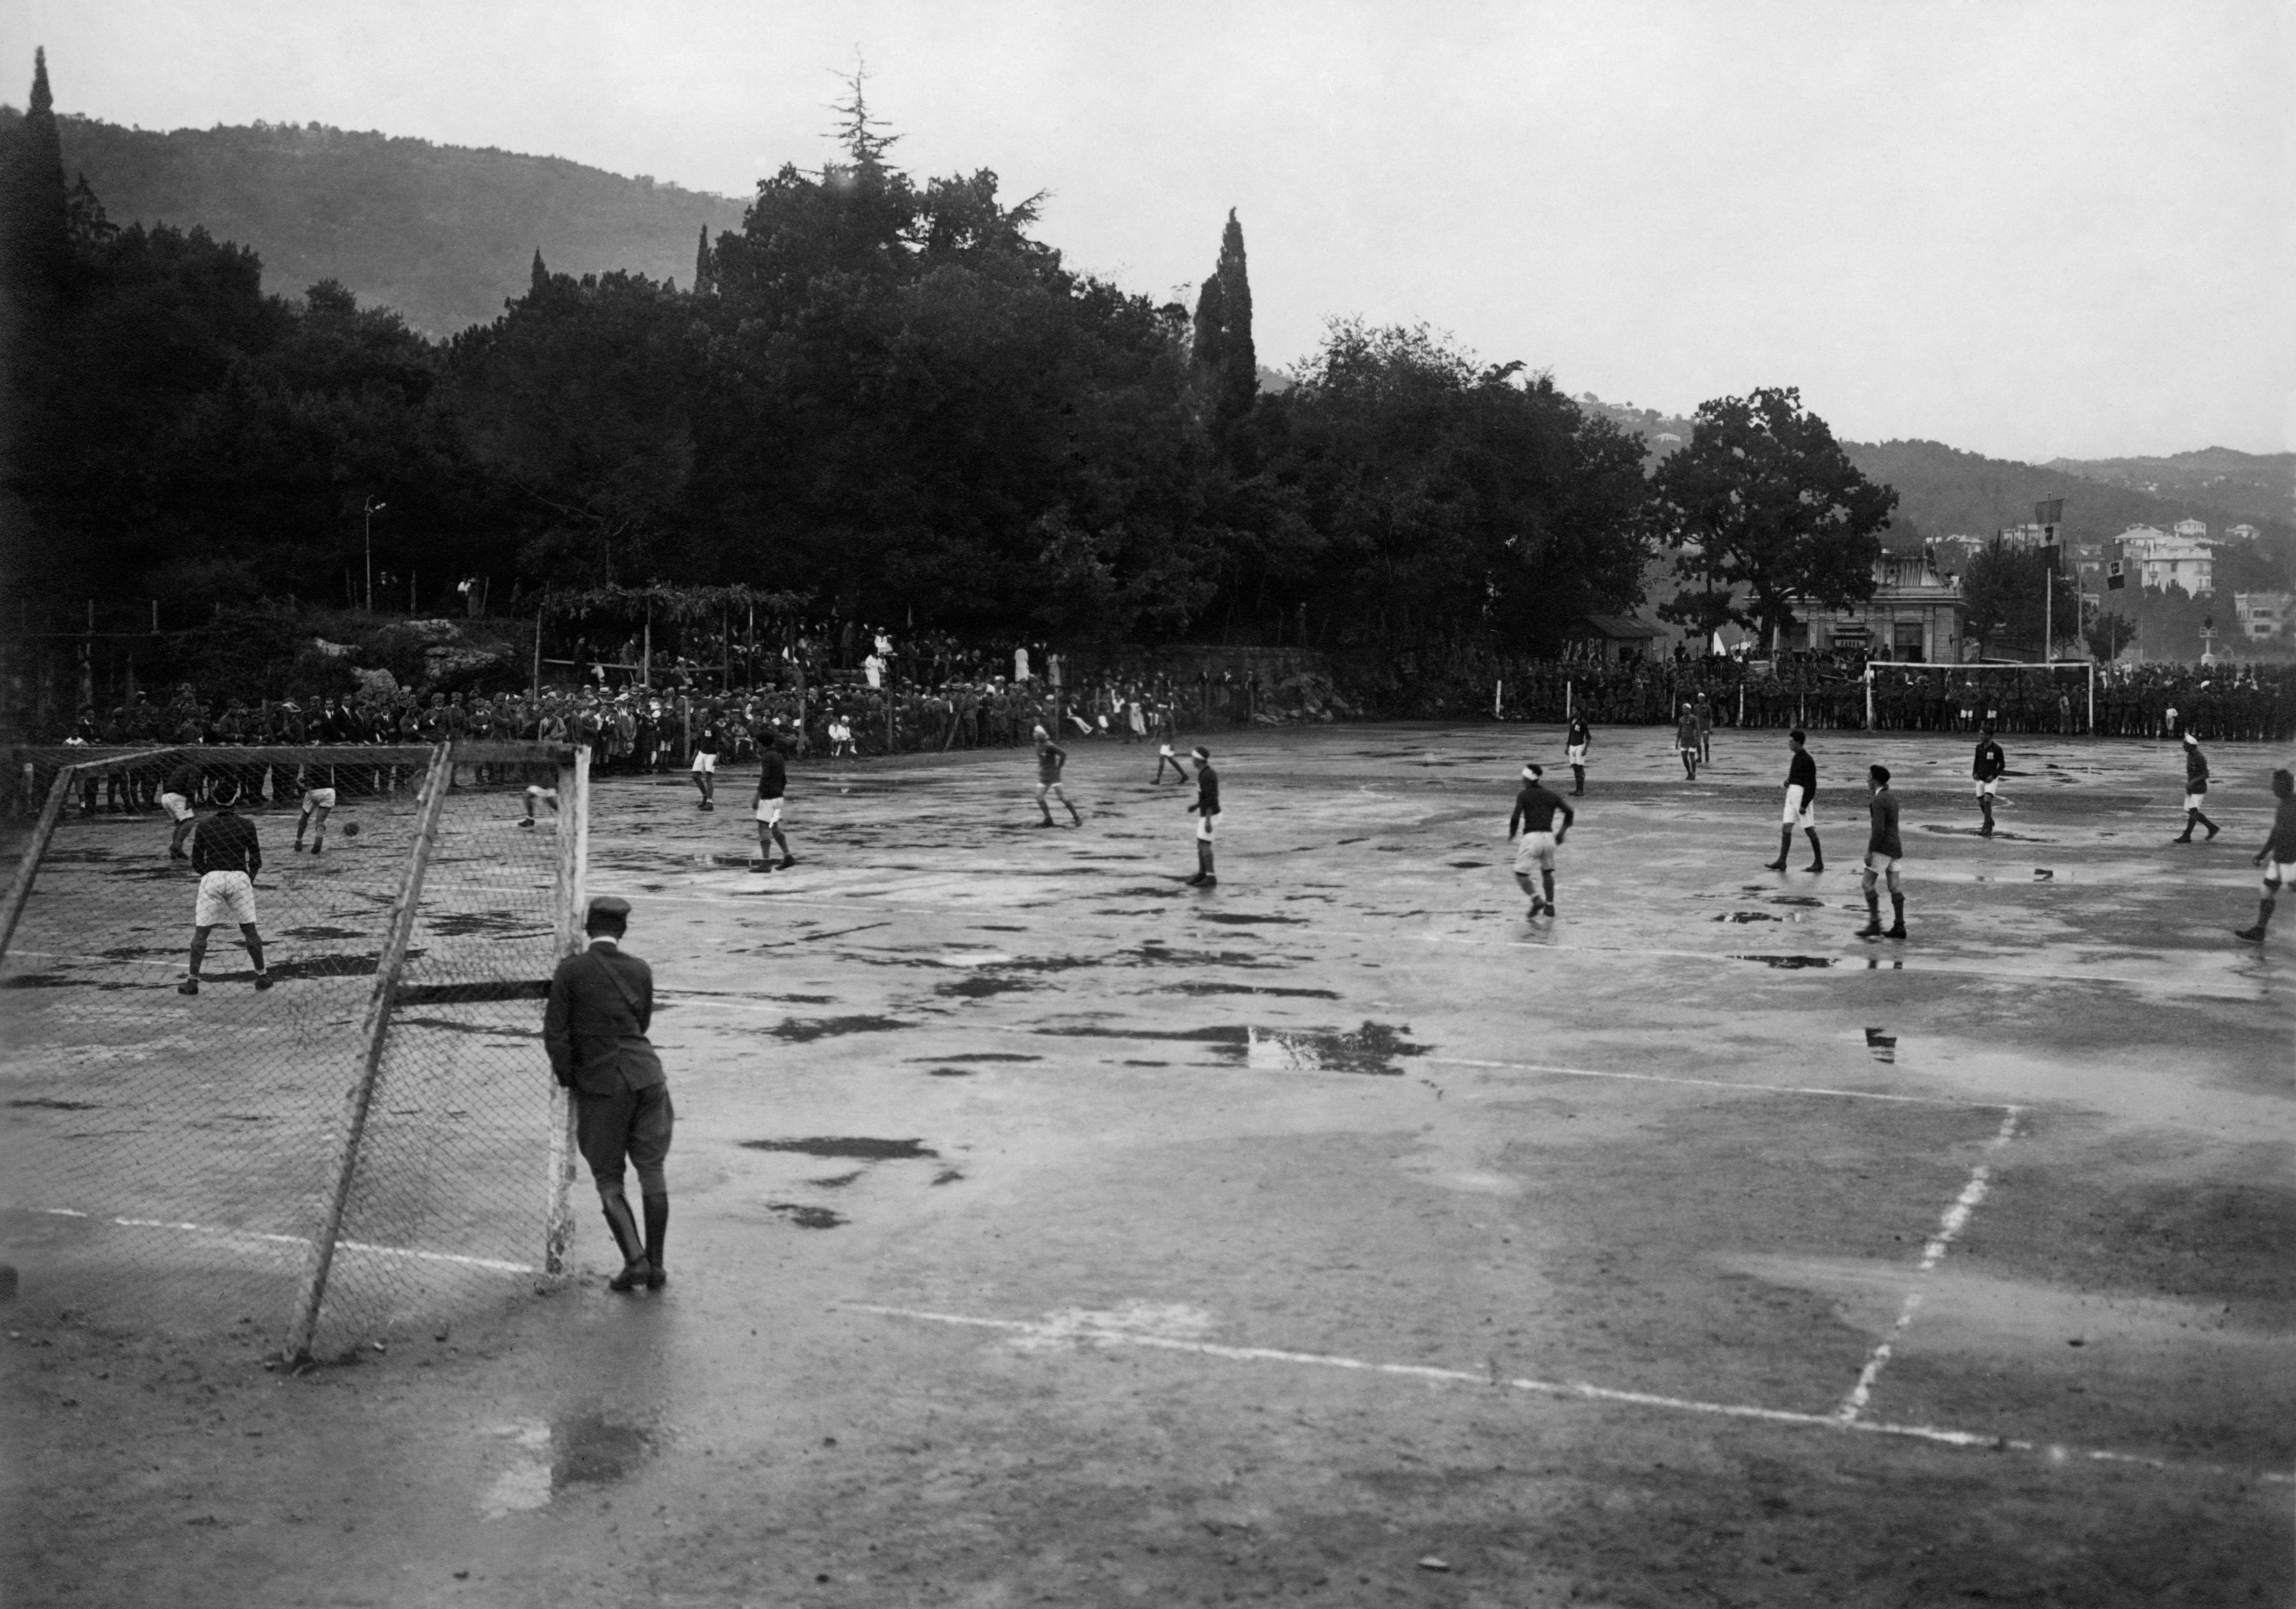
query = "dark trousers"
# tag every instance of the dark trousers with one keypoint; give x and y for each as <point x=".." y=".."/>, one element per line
<point x="630" y="1125"/>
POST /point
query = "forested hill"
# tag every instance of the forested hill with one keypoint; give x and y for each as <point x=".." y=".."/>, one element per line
<point x="443" y="233"/>
<point x="2259" y="486"/>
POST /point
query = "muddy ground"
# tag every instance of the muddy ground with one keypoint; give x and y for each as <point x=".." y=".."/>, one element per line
<point x="1050" y="1231"/>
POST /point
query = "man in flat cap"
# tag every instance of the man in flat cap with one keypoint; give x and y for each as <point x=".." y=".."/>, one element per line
<point x="594" y="1027"/>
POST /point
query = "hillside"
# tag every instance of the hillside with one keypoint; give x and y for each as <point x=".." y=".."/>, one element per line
<point x="2257" y="487"/>
<point x="441" y="232"/>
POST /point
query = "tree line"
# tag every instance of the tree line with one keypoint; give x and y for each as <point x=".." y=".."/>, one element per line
<point x="883" y="395"/>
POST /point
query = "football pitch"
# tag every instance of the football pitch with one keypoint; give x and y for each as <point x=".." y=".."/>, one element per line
<point x="1049" y="1231"/>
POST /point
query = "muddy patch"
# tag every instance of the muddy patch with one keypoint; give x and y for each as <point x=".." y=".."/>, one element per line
<point x="1748" y="915"/>
<point x="1267" y="989"/>
<point x="948" y="1072"/>
<point x="1790" y="963"/>
<point x="591" y="1450"/>
<point x="1236" y="918"/>
<point x="1373" y="1049"/>
<point x="47" y="1104"/>
<point x="323" y="933"/>
<point x="846" y="1148"/>
<point x="992" y="1056"/>
<point x="806" y="1217"/>
<point x="980" y="987"/>
<point x="804" y="1030"/>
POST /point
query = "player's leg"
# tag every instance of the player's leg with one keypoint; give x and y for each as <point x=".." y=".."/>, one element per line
<point x="1786" y="830"/>
<point x="302" y="821"/>
<point x="254" y="941"/>
<point x="2201" y="817"/>
<point x="319" y="808"/>
<point x="190" y="984"/>
<point x="1523" y="880"/>
<point x="179" y="808"/>
<point x="1075" y="817"/>
<point x="1043" y="791"/>
<point x="1985" y="806"/>
<point x="1897" y="904"/>
<point x="2255" y="935"/>
<point x="1869" y="883"/>
<point x="1809" y="831"/>
<point x="2192" y="819"/>
<point x="1208" y="872"/>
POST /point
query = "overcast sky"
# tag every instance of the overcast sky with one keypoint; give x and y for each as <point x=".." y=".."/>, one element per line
<point x="2025" y="229"/>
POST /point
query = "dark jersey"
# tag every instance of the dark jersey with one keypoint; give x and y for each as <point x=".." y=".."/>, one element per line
<point x="1883" y="839"/>
<point x="2196" y="769"/>
<point x="1536" y="807"/>
<point x="773" y="775"/>
<point x="182" y="777"/>
<point x="1991" y="762"/>
<point x="1580" y="734"/>
<point x="707" y="742"/>
<point x="2282" y="845"/>
<point x="1802" y="773"/>
<point x="1207" y="790"/>
<point x="1050" y="758"/>
<point x="225" y="841"/>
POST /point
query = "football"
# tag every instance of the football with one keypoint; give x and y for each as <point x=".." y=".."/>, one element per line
<point x="351" y="829"/>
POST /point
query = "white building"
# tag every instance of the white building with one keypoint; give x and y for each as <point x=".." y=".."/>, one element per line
<point x="2191" y="530"/>
<point x="2242" y="533"/>
<point x="2155" y="558"/>
<point x="2262" y="616"/>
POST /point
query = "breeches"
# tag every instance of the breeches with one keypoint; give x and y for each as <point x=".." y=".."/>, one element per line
<point x="631" y="1125"/>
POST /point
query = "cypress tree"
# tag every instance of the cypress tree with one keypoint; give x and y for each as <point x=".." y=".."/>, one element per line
<point x="540" y="279"/>
<point x="1227" y="363"/>
<point x="35" y="233"/>
<point x="705" y="271"/>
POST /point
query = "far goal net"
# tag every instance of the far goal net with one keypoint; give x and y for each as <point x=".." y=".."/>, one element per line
<point x="362" y="1144"/>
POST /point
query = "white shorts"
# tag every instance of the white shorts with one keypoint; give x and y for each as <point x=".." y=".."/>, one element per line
<point x="319" y="798"/>
<point x="1877" y="862"/>
<point x="2276" y="872"/>
<point x="1204" y="828"/>
<point x="177" y="807"/>
<point x="769" y="811"/>
<point x="2196" y="801"/>
<point x="1988" y="789"/>
<point x="1576" y="755"/>
<point x="705" y="765"/>
<point x="225" y="896"/>
<point x="1798" y="814"/>
<point x="1534" y="852"/>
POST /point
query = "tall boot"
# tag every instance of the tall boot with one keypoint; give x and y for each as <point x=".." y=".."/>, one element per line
<point x="657" y="1231"/>
<point x="1897" y="916"/>
<point x="1785" y="848"/>
<point x="1987" y="806"/>
<point x="1873" y="928"/>
<point x="625" y="1230"/>
<point x="2202" y="819"/>
<point x="1817" y="854"/>
<point x="2255" y="935"/>
<point x="1204" y="857"/>
<point x="1546" y="882"/>
<point x="1577" y="780"/>
<point x="2192" y="819"/>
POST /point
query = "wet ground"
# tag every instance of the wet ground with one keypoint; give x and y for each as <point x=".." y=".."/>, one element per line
<point x="1049" y="1231"/>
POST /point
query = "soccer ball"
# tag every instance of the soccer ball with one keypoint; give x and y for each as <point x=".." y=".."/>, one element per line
<point x="351" y="829"/>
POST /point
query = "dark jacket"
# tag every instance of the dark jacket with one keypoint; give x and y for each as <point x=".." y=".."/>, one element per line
<point x="225" y="841"/>
<point x="1802" y="772"/>
<point x="772" y="774"/>
<point x="1207" y="791"/>
<point x="1884" y="838"/>
<point x="594" y="1026"/>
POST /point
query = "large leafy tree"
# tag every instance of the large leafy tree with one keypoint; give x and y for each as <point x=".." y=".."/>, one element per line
<point x="2006" y="590"/>
<point x="1766" y="516"/>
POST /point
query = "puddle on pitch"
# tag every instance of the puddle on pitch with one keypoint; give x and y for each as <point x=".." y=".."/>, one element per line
<point x="1373" y="1049"/>
<point x="804" y="1030"/>
<point x="1749" y="916"/>
<point x="980" y="987"/>
<point x="590" y="1449"/>
<point x="1790" y="963"/>
<point x="1248" y="989"/>
<point x="848" y="1147"/>
<point x="1238" y="919"/>
<point x="806" y="1217"/>
<point x="992" y="1056"/>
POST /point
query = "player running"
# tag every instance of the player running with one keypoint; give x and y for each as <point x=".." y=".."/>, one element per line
<point x="1801" y="796"/>
<point x="2278" y="855"/>
<point x="177" y="793"/>
<point x="1883" y="850"/>
<point x="2196" y="791"/>
<point x="773" y="782"/>
<point x="1206" y="809"/>
<point x="1050" y="759"/>
<point x="226" y="855"/>
<point x="1536" y="806"/>
<point x="1574" y="751"/>
<point x="1986" y="772"/>
<point x="1165" y="756"/>
<point x="1686" y="742"/>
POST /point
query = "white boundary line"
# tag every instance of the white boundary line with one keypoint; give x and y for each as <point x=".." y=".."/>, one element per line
<point x="214" y="1232"/>
<point x="1575" y="1391"/>
<point x="1956" y="1218"/>
<point x="1720" y="1083"/>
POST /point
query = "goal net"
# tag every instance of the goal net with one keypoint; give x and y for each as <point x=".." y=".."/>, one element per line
<point x="365" y="1144"/>
<point x="2055" y="695"/>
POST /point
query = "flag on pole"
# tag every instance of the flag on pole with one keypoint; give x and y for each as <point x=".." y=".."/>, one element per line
<point x="2115" y="581"/>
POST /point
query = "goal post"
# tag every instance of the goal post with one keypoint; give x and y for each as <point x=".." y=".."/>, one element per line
<point x="1979" y="672"/>
<point x="343" y="1120"/>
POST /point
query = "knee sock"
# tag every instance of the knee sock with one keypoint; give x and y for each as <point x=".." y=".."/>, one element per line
<point x="2264" y="911"/>
<point x="1815" y="854"/>
<point x="198" y="952"/>
<point x="1874" y="905"/>
<point x="1786" y="842"/>
<point x="657" y="1227"/>
<point x="1898" y="909"/>
<point x="625" y="1228"/>
<point x="2192" y="819"/>
<point x="254" y="946"/>
<point x="1547" y="885"/>
<point x="2201" y="817"/>
<point x="1578" y="778"/>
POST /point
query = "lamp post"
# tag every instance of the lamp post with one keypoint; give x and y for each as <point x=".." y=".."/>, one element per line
<point x="372" y="508"/>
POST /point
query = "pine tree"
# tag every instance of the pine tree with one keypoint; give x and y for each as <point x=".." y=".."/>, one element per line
<point x="1227" y="363"/>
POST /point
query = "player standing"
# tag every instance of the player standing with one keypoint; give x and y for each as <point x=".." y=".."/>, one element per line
<point x="1050" y="758"/>
<point x="1165" y="756"/>
<point x="2278" y="855"/>
<point x="705" y="759"/>
<point x="175" y="797"/>
<point x="1206" y="809"/>
<point x="773" y="782"/>
<point x="1883" y="850"/>
<point x="1536" y="806"/>
<point x="1574" y="750"/>
<point x="2196" y="789"/>
<point x="1987" y="770"/>
<point x="226" y="855"/>
<point x="1801" y="796"/>
<point x="1686" y="742"/>
<point x="316" y="804"/>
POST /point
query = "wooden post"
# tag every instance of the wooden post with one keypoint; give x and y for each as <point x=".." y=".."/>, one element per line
<point x="374" y="1029"/>
<point x="1869" y="695"/>
<point x="2092" y="697"/>
<point x="645" y="671"/>
<point x="28" y="869"/>
<point x="572" y="906"/>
